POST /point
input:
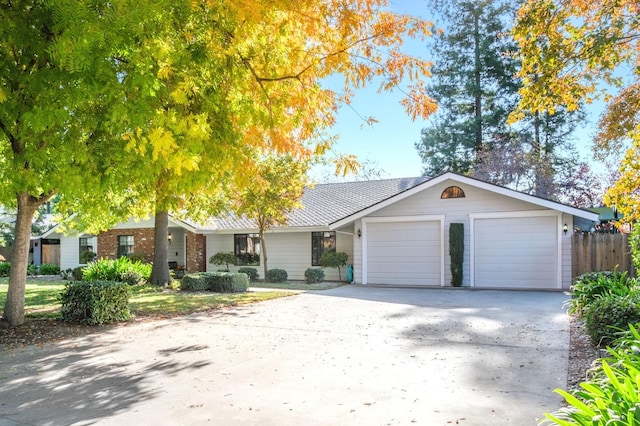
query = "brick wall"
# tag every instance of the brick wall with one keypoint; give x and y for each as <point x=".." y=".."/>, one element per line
<point x="142" y="242"/>
<point x="196" y="253"/>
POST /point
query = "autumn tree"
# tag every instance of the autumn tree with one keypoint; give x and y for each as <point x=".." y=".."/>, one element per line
<point x="275" y="192"/>
<point x="62" y="110"/>
<point x="155" y="106"/>
<point x="226" y="88"/>
<point x="573" y="52"/>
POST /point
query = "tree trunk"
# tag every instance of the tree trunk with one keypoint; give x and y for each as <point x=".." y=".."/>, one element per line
<point x="160" y="272"/>
<point x="14" y="305"/>
<point x="478" y="82"/>
<point x="263" y="252"/>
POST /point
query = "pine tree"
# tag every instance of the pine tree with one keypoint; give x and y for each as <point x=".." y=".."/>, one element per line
<point x="475" y="88"/>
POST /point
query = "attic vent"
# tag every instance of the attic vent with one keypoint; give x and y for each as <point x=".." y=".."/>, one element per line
<point x="452" y="192"/>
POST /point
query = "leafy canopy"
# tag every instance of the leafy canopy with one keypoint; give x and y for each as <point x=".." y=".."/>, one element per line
<point x="574" y="51"/>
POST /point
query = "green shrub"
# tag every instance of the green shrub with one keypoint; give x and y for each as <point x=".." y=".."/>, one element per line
<point x="121" y="269"/>
<point x="276" y="275"/>
<point x="334" y="259"/>
<point x="456" y="251"/>
<point x="88" y="256"/>
<point x="586" y="288"/>
<point x="634" y="244"/>
<point x="5" y="267"/>
<point x="608" y="314"/>
<point x="611" y="396"/>
<point x="194" y="282"/>
<point x="219" y="282"/>
<point x="95" y="302"/>
<point x="74" y="274"/>
<point x="32" y="270"/>
<point x="226" y="282"/>
<point x="314" y="275"/>
<point x="252" y="273"/>
<point x="136" y="257"/>
<point x="77" y="273"/>
<point x="49" y="269"/>
<point x="223" y="259"/>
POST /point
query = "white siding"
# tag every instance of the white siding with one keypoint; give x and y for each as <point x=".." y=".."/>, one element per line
<point x="70" y="250"/>
<point x="516" y="252"/>
<point x="567" y="248"/>
<point x="175" y="251"/>
<point x="457" y="210"/>
<point x="404" y="253"/>
<point x="290" y="251"/>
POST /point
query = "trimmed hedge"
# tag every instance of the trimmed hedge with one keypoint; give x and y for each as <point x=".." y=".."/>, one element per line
<point x="49" y="269"/>
<point x="314" y="275"/>
<point x="95" y="302"/>
<point x="276" y="276"/>
<point x="194" y="282"/>
<point x="228" y="282"/>
<point x="251" y="272"/>
<point x="219" y="282"/>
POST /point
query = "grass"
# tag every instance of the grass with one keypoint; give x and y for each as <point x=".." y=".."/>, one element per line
<point x="41" y="299"/>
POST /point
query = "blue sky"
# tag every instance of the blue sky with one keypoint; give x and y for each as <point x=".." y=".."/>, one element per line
<point x="390" y="143"/>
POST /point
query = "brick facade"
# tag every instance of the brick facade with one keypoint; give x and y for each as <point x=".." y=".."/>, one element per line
<point x="142" y="243"/>
<point x="196" y="253"/>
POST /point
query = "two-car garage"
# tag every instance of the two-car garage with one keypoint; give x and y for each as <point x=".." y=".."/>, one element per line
<point x="504" y="250"/>
<point x="511" y="239"/>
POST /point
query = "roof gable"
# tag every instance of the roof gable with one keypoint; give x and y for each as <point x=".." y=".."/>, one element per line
<point x="468" y="181"/>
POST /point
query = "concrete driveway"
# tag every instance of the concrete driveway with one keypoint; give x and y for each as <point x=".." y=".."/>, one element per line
<point x="348" y="356"/>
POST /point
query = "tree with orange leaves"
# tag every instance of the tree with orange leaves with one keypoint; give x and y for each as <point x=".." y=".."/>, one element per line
<point x="576" y="51"/>
<point x="157" y="106"/>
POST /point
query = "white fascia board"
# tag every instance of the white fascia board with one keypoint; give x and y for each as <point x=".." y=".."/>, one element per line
<point x="181" y="224"/>
<point x="472" y="182"/>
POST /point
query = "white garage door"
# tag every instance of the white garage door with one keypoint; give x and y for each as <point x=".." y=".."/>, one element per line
<point x="516" y="252"/>
<point x="404" y="253"/>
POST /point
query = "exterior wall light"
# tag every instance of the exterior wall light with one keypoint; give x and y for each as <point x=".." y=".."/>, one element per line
<point x="565" y="228"/>
<point x="359" y="233"/>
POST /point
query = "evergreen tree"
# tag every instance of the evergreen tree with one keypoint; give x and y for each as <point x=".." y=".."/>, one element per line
<point x="475" y="89"/>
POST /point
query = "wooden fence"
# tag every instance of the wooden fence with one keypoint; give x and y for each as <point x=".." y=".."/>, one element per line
<point x="601" y="252"/>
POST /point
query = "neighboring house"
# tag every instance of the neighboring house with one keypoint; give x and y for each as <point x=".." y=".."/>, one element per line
<point x="395" y="232"/>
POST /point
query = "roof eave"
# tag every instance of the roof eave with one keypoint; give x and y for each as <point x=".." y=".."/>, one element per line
<point x="553" y="205"/>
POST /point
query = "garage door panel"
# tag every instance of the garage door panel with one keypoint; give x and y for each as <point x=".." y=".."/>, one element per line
<point x="516" y="252"/>
<point x="404" y="253"/>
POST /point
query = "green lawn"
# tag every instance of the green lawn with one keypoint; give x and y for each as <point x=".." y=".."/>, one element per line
<point x="41" y="298"/>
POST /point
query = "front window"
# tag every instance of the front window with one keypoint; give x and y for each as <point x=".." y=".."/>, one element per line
<point x="247" y="249"/>
<point x="87" y="249"/>
<point x="321" y="242"/>
<point x="125" y="245"/>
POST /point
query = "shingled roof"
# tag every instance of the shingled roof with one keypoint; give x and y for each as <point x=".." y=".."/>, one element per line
<point x="328" y="203"/>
